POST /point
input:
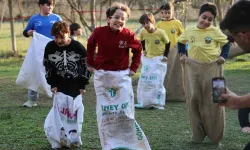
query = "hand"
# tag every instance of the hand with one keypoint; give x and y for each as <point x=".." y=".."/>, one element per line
<point x="246" y="129"/>
<point x="91" y="69"/>
<point x="82" y="91"/>
<point x="164" y="59"/>
<point x="131" y="73"/>
<point x="54" y="90"/>
<point x="30" y="32"/>
<point x="183" y="58"/>
<point x="232" y="100"/>
<point x="221" y="60"/>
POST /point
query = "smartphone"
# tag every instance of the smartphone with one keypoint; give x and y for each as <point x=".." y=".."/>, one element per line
<point x="219" y="87"/>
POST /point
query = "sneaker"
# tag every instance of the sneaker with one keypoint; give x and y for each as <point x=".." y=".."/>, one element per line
<point x="30" y="103"/>
<point x="158" y="107"/>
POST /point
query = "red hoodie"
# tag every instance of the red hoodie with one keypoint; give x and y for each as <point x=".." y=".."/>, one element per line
<point x="113" y="49"/>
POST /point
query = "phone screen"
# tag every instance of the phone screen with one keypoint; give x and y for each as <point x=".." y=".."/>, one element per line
<point x="219" y="87"/>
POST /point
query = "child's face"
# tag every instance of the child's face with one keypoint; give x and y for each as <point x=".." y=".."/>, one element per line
<point x="78" y="32"/>
<point x="243" y="40"/>
<point x="118" y="20"/>
<point x="205" y="20"/>
<point x="166" y="14"/>
<point x="148" y="26"/>
<point x="46" y="9"/>
<point x="62" y="40"/>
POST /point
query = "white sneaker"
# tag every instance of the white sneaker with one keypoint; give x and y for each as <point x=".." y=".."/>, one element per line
<point x="30" y="103"/>
<point x="158" y="107"/>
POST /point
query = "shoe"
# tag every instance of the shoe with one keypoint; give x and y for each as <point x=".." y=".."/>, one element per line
<point x="30" y="103"/>
<point x="158" y="107"/>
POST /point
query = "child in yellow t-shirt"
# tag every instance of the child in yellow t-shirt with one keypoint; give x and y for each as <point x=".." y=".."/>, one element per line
<point x="169" y="24"/>
<point x="208" y="48"/>
<point x="155" y="43"/>
<point x="174" y="78"/>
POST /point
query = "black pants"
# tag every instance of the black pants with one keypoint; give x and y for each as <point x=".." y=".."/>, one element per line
<point x="247" y="147"/>
<point x="244" y="117"/>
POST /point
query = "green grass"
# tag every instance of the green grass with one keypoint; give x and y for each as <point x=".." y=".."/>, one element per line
<point x="22" y="128"/>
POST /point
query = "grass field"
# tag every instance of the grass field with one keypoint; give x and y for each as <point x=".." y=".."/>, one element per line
<point x="169" y="129"/>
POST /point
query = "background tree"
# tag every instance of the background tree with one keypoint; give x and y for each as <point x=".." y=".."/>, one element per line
<point x="13" y="37"/>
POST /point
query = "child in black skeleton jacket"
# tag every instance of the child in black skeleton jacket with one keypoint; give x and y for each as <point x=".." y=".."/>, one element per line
<point x="65" y="62"/>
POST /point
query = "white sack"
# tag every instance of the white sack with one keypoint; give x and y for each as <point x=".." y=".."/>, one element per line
<point x="32" y="72"/>
<point x="150" y="89"/>
<point x="115" y="112"/>
<point x="66" y="115"/>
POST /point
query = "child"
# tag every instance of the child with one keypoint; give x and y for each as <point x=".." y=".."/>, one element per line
<point x="75" y="31"/>
<point x="243" y="115"/>
<point x="155" y="45"/>
<point x="173" y="28"/>
<point x="40" y="23"/>
<point x="66" y="72"/>
<point x="112" y="81"/>
<point x="202" y="64"/>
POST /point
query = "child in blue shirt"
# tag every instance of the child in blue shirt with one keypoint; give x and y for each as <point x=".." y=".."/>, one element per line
<point x="42" y="24"/>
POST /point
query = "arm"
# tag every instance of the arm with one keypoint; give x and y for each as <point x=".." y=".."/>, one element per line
<point x="143" y="45"/>
<point x="51" y="76"/>
<point x="91" y="48"/>
<point x="28" y="31"/>
<point x="85" y="75"/>
<point x="225" y="50"/>
<point x="167" y="47"/>
<point x="234" y="101"/>
<point x="136" y="50"/>
<point x="180" y="28"/>
<point x="181" y="48"/>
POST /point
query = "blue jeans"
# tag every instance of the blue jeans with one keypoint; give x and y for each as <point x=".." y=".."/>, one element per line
<point x="32" y="95"/>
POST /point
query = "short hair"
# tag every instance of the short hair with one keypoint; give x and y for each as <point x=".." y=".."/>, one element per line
<point x="167" y="6"/>
<point x="237" y="17"/>
<point x="147" y="17"/>
<point x="111" y="10"/>
<point x="73" y="27"/>
<point x="74" y="131"/>
<point x="210" y="7"/>
<point x="60" y="28"/>
<point x="42" y="2"/>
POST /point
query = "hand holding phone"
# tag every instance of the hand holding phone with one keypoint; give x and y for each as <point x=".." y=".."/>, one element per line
<point x="219" y="87"/>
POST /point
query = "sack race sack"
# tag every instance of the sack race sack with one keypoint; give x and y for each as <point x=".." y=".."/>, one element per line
<point x="32" y="73"/>
<point x="150" y="89"/>
<point x="174" y="79"/>
<point x="115" y="112"/>
<point x="206" y="117"/>
<point x="63" y="125"/>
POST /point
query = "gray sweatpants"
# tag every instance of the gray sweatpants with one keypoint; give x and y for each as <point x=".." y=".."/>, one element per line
<point x="32" y="95"/>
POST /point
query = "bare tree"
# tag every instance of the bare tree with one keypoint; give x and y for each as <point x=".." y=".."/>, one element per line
<point x="73" y="5"/>
<point x="19" y="3"/>
<point x="4" y="5"/>
<point x="92" y="11"/>
<point x="13" y="37"/>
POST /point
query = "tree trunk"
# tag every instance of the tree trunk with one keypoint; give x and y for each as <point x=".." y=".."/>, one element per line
<point x="83" y="21"/>
<point x="92" y="11"/>
<point x="4" y="5"/>
<point x="220" y="14"/>
<point x="100" y="18"/>
<point x="13" y="37"/>
<point x="19" y="3"/>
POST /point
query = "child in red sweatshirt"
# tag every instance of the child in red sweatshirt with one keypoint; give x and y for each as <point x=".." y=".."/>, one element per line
<point x="112" y="81"/>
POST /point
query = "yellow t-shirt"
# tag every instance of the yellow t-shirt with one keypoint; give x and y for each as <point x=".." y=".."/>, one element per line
<point x="154" y="42"/>
<point x="173" y="28"/>
<point x="203" y="44"/>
